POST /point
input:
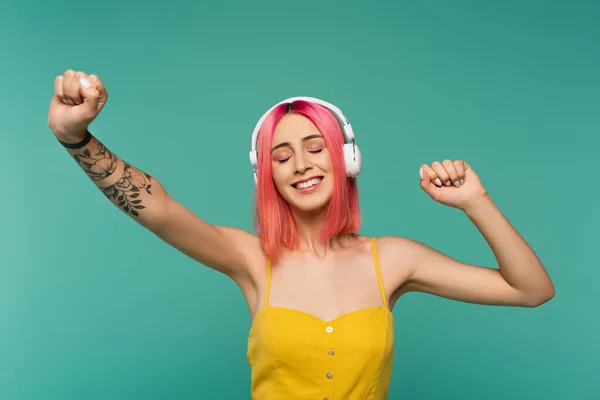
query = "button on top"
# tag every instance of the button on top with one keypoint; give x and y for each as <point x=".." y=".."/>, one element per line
<point x="329" y="329"/>
<point x="331" y="352"/>
<point x="329" y="376"/>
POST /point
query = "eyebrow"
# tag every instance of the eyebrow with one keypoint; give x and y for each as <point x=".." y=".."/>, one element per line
<point x="288" y="144"/>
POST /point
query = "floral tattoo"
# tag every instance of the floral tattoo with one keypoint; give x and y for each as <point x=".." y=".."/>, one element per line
<point x="125" y="192"/>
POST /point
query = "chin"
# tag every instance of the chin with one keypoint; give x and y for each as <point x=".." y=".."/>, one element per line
<point x="309" y="207"/>
<point x="310" y="199"/>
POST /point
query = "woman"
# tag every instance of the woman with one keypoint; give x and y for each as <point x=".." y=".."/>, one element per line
<point x="320" y="295"/>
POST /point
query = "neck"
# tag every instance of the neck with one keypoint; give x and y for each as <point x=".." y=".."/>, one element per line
<point x="309" y="227"/>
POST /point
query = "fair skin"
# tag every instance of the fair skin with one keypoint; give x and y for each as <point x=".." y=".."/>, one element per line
<point x="339" y="275"/>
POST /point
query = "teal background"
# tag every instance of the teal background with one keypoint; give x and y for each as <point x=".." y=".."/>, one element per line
<point x="94" y="307"/>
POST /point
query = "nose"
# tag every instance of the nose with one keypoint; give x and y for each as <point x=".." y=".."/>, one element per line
<point x="301" y="164"/>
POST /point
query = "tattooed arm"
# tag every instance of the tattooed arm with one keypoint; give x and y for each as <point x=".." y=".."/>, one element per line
<point x="144" y="199"/>
<point x="77" y="101"/>
<point x="130" y="189"/>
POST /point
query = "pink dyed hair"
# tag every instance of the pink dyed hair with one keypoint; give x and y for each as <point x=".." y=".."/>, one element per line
<point x="273" y="218"/>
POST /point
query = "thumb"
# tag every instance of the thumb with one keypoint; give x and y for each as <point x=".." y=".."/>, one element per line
<point x="426" y="184"/>
<point x="425" y="180"/>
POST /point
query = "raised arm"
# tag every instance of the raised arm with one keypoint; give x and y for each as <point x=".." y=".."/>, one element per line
<point x="77" y="100"/>
<point x="520" y="280"/>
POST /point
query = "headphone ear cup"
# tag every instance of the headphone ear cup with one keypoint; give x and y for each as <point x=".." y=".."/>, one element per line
<point x="352" y="159"/>
<point x="254" y="158"/>
<point x="254" y="162"/>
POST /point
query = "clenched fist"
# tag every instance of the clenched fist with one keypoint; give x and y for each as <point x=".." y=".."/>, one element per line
<point x="452" y="183"/>
<point x="77" y="100"/>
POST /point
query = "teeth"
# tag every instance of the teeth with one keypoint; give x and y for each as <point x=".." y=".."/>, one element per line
<point x="308" y="184"/>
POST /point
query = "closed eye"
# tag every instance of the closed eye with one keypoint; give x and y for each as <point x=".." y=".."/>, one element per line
<point x="283" y="160"/>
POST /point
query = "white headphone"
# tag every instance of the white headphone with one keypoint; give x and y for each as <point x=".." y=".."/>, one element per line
<point x="352" y="157"/>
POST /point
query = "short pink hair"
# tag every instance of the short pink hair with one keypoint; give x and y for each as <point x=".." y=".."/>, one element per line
<point x="273" y="218"/>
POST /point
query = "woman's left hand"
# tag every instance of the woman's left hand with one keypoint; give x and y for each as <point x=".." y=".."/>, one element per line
<point x="452" y="183"/>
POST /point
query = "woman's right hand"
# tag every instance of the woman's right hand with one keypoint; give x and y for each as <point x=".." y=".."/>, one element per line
<point x="78" y="99"/>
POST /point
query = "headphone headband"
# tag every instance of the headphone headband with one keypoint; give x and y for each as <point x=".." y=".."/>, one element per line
<point x="346" y="127"/>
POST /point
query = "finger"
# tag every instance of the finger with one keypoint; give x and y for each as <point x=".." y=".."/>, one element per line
<point x="430" y="176"/>
<point x="71" y="87"/>
<point x="77" y="87"/>
<point x="459" y="165"/>
<point x="441" y="173"/>
<point x="424" y="177"/>
<point x="58" y="89"/>
<point x="451" y="170"/>
<point x="99" y="86"/>
<point x="66" y="81"/>
<point x="90" y="96"/>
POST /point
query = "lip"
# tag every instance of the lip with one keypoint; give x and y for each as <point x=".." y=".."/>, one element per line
<point x="309" y="189"/>
<point x="306" y="180"/>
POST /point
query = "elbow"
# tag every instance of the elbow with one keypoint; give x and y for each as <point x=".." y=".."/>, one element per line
<point x="540" y="297"/>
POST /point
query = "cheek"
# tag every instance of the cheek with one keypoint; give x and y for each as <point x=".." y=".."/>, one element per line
<point x="325" y="162"/>
<point x="279" y="175"/>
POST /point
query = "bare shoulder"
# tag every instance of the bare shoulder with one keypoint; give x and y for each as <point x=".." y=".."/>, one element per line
<point x="356" y="245"/>
<point x="387" y="248"/>
<point x="248" y="241"/>
<point x="250" y="247"/>
<point x="396" y="251"/>
<point x="396" y="257"/>
<point x="401" y="256"/>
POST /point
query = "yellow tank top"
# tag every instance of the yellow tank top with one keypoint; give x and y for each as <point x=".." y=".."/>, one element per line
<point x="295" y="355"/>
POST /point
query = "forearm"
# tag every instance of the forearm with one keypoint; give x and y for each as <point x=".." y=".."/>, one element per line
<point x="519" y="265"/>
<point x="133" y="191"/>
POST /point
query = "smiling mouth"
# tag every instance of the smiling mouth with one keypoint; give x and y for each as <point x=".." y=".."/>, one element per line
<point x="311" y="184"/>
